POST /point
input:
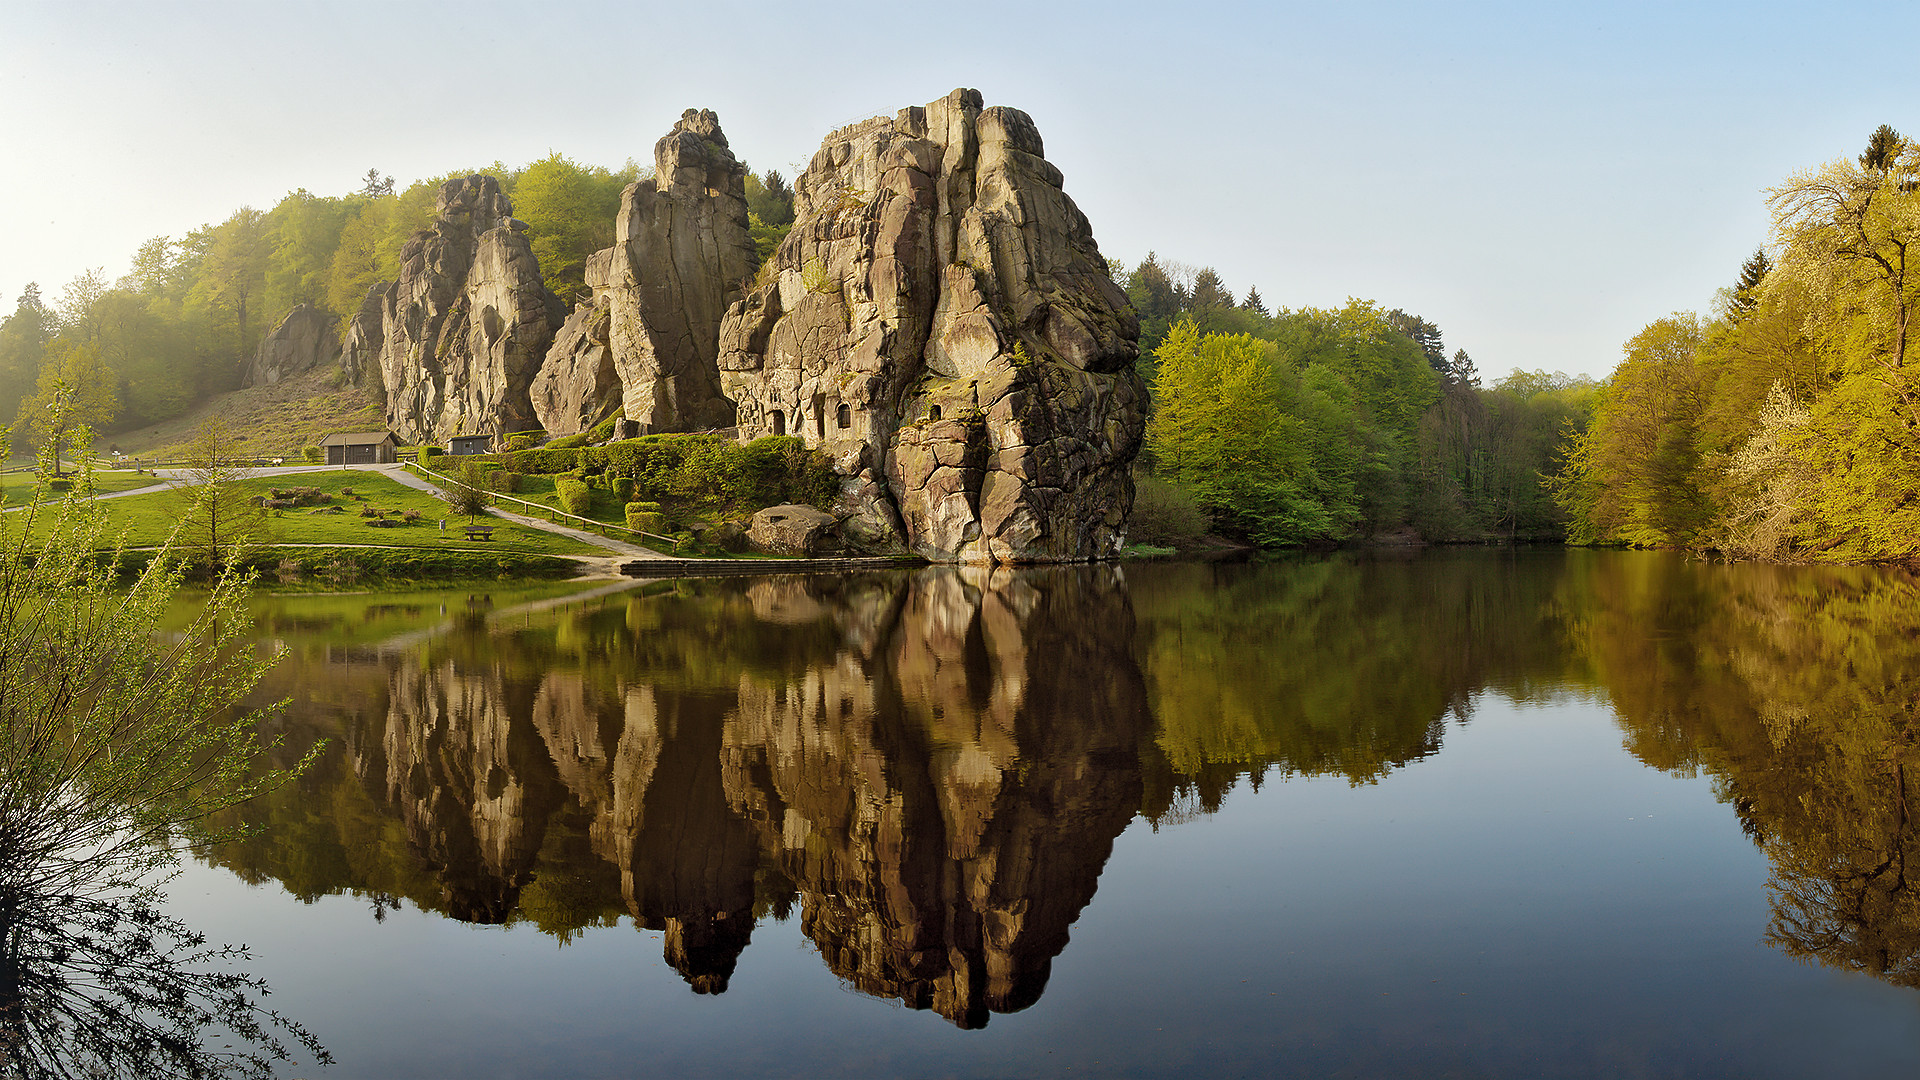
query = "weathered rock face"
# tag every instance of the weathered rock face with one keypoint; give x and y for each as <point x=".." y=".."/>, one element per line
<point x="467" y="323"/>
<point x="367" y="337"/>
<point x="304" y="340"/>
<point x="578" y="386"/>
<point x="682" y="255"/>
<point x="943" y="324"/>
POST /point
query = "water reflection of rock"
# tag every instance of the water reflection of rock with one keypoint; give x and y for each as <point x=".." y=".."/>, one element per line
<point x="939" y="764"/>
<point x="947" y="792"/>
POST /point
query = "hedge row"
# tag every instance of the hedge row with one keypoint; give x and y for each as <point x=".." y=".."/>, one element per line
<point x="692" y="468"/>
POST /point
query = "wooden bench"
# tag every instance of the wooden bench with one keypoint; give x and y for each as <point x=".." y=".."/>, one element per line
<point x="479" y="532"/>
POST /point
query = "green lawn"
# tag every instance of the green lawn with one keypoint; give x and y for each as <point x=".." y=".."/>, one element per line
<point x="148" y="519"/>
<point x="16" y="488"/>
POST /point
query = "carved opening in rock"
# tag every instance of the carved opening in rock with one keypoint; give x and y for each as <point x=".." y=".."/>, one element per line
<point x="933" y="412"/>
<point x="845" y="417"/>
<point x="492" y="323"/>
<point x="820" y="416"/>
<point x="779" y="422"/>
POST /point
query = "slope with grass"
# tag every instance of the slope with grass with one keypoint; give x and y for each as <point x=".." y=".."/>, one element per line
<point x="16" y="488"/>
<point x="276" y="420"/>
<point x="359" y="499"/>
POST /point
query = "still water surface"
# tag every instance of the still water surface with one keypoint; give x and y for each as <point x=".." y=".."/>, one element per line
<point x="1488" y="814"/>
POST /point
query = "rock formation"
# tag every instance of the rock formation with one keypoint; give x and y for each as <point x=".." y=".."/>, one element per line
<point x="792" y="529"/>
<point x="304" y="340"/>
<point x="941" y="322"/>
<point x="367" y="337"/>
<point x="579" y="385"/>
<point x="681" y="255"/>
<point x="467" y="323"/>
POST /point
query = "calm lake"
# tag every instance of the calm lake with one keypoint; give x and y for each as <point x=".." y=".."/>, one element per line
<point x="1536" y="813"/>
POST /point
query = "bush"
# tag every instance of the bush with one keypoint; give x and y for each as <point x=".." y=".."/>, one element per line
<point x="1165" y="514"/>
<point x="575" y="496"/>
<point x="312" y="455"/>
<point x="603" y="430"/>
<point x="502" y="480"/>
<point x="300" y="496"/>
<point x="526" y="440"/>
<point x="623" y="488"/>
<point x="642" y="520"/>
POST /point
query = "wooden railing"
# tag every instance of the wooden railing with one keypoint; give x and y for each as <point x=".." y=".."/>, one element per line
<point x="540" y="509"/>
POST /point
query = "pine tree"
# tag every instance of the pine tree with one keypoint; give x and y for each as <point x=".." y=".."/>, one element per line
<point x="1746" y="294"/>
<point x="1254" y="304"/>
<point x="1882" y="147"/>
<point x="1209" y="291"/>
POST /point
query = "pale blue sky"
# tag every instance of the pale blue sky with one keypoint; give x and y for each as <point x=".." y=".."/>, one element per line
<point x="1540" y="180"/>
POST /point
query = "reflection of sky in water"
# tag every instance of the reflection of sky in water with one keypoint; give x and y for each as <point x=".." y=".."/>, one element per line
<point x="1530" y="901"/>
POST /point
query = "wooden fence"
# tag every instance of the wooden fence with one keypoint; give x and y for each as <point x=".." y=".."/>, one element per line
<point x="541" y="509"/>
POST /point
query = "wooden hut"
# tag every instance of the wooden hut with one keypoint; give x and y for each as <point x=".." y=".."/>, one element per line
<point x="361" y="448"/>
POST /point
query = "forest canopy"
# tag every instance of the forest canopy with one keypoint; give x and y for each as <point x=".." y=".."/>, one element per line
<point x="180" y="325"/>
<point x="1784" y="425"/>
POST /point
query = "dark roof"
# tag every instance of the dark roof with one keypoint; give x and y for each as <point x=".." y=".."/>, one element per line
<point x="360" y="438"/>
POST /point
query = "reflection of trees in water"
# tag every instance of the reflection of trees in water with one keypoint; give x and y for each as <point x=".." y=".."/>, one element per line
<point x="931" y="769"/>
<point x="1797" y="689"/>
<point x="1347" y="666"/>
<point x="109" y="986"/>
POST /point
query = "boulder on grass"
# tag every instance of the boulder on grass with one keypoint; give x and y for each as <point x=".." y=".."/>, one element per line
<point x="794" y="529"/>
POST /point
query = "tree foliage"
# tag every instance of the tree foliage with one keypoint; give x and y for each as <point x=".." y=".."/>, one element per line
<point x="1788" y="428"/>
<point x="570" y="211"/>
<point x="117" y="743"/>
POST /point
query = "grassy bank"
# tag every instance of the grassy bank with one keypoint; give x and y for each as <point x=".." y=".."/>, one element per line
<point x="315" y="569"/>
<point x="16" y="488"/>
<point x="364" y="508"/>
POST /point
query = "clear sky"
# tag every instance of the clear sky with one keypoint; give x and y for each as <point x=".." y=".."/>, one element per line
<point x="1539" y="179"/>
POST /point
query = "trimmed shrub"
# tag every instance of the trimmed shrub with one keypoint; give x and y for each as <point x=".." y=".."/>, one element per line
<point x="623" y="488"/>
<point x="575" y="496"/>
<point x="645" y="507"/>
<point x="526" y="440"/>
<point x="640" y="520"/>
<point x="502" y="480"/>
